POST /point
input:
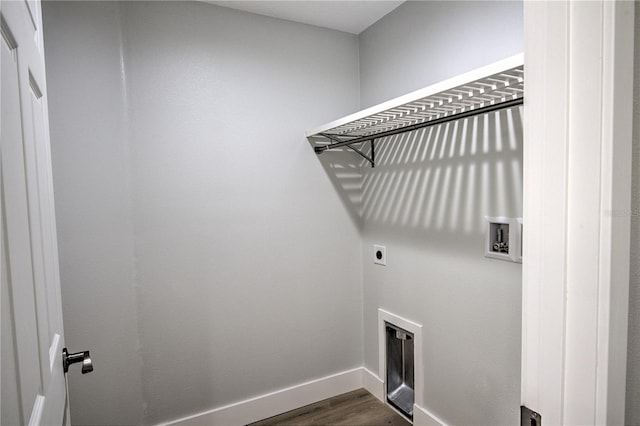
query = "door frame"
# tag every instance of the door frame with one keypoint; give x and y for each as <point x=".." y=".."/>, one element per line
<point x="577" y="196"/>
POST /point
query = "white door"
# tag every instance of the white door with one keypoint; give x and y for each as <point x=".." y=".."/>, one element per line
<point x="33" y="381"/>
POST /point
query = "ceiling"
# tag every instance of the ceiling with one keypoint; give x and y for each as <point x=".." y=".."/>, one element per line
<point x="349" y="16"/>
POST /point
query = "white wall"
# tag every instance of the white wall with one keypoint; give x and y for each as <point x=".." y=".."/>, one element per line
<point x="246" y="259"/>
<point x="240" y="239"/>
<point x="425" y="200"/>
<point x="175" y="213"/>
<point x="633" y="355"/>
<point x="424" y="42"/>
<point x="93" y="206"/>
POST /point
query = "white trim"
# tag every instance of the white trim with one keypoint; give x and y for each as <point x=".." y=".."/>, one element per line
<point x="518" y="249"/>
<point x="579" y="62"/>
<point x="284" y="400"/>
<point x="274" y="403"/>
<point x="422" y="417"/>
<point x="373" y="384"/>
<point x="615" y="229"/>
<point x="416" y="329"/>
<point x="544" y="208"/>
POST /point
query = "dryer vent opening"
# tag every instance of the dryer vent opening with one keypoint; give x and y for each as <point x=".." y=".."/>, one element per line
<point x="400" y="369"/>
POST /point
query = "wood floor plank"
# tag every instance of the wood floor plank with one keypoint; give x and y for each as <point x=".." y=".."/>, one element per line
<point x="357" y="408"/>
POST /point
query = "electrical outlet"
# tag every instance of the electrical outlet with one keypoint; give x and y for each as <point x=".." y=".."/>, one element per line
<point x="379" y="255"/>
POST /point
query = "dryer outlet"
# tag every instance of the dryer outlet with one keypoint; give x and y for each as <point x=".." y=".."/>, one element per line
<point x="379" y="255"/>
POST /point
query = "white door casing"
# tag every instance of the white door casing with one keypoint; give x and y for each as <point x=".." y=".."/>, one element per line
<point x="33" y="382"/>
<point x="577" y="189"/>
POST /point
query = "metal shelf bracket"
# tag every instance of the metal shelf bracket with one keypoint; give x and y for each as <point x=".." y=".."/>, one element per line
<point x="338" y="143"/>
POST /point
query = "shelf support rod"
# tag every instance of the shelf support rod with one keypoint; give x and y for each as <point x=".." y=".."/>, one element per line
<point x="489" y="108"/>
<point x="373" y="154"/>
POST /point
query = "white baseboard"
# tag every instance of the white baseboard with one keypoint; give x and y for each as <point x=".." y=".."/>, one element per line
<point x="373" y="384"/>
<point x="422" y="417"/>
<point x="281" y="401"/>
<point x="274" y="403"/>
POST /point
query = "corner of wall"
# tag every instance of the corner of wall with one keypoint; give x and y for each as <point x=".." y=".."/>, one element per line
<point x="128" y="176"/>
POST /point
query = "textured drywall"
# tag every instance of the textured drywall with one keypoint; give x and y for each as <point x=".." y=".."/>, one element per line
<point x="240" y="250"/>
<point x="93" y="208"/>
<point x="424" y="42"/>
<point x="633" y="355"/>
<point x="247" y="259"/>
<point x="425" y="201"/>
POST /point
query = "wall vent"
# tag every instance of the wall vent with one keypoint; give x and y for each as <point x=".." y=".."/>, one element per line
<point x="399" y="377"/>
<point x="400" y="362"/>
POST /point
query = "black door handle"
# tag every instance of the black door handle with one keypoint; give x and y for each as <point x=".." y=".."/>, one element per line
<point x="83" y="357"/>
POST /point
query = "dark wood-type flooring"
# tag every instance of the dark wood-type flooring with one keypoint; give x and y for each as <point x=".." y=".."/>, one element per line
<point x="350" y="409"/>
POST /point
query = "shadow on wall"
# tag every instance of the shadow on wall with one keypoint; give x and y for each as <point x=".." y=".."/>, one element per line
<point x="439" y="179"/>
<point x="344" y="169"/>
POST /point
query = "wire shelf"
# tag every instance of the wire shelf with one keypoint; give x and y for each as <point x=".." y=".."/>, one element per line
<point x="485" y="89"/>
